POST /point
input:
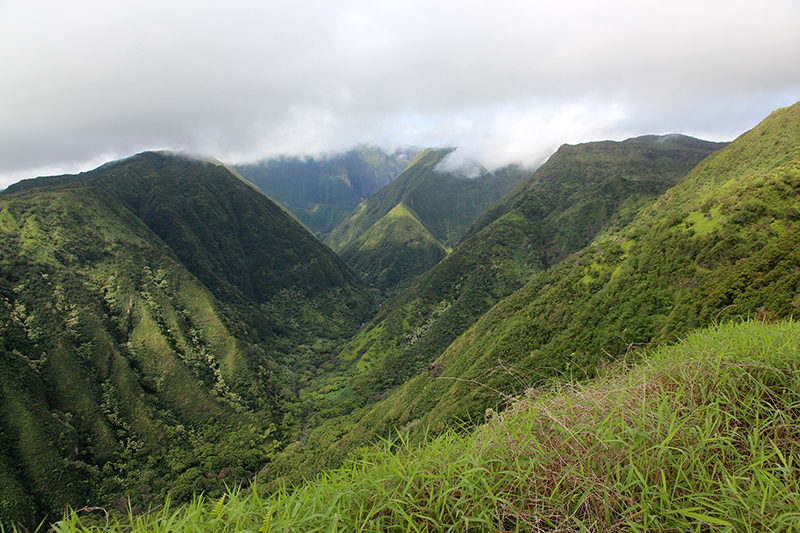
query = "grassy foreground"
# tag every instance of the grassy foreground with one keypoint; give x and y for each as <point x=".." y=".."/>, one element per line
<point x="702" y="436"/>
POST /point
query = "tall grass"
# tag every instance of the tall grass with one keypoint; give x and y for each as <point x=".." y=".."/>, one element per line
<point x="703" y="436"/>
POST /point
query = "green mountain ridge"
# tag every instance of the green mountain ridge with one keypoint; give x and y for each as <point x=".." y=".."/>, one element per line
<point x="153" y="343"/>
<point x="322" y="191"/>
<point x="394" y="250"/>
<point x="443" y="201"/>
<point x="157" y="314"/>
<point x="500" y="258"/>
<point x="722" y="244"/>
<point x="623" y="290"/>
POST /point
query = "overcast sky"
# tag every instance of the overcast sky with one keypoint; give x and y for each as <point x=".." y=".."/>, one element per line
<point x="83" y="82"/>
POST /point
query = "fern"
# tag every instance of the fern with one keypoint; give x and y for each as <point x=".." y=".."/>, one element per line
<point x="217" y="510"/>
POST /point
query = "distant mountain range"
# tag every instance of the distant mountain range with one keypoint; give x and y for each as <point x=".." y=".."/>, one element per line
<point x="408" y="226"/>
<point x="168" y="329"/>
<point x="322" y="191"/>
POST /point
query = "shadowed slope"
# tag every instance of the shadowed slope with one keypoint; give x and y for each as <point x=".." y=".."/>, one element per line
<point x="322" y="191"/>
<point x="155" y="314"/>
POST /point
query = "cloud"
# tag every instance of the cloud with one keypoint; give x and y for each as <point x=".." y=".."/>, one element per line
<point x="505" y="81"/>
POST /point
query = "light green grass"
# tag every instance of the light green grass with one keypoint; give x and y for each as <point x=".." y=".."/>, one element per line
<point x="703" y="436"/>
<point x="704" y="223"/>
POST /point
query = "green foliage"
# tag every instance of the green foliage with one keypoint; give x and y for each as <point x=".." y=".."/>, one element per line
<point x="321" y="192"/>
<point x="167" y="362"/>
<point x="649" y="281"/>
<point x="565" y="203"/>
<point x="394" y="251"/>
<point x="445" y="203"/>
<point x="702" y="436"/>
<point x="652" y="285"/>
<point x="156" y="325"/>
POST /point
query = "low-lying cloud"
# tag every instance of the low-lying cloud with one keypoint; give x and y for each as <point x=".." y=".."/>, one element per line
<point x="510" y="81"/>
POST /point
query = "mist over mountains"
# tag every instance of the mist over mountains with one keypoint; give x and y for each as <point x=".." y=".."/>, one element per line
<point x="168" y="329"/>
<point x="322" y="191"/>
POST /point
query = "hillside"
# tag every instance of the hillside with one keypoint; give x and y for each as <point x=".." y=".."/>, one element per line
<point x="394" y="251"/>
<point x="157" y="316"/>
<point x="723" y="243"/>
<point x="443" y="201"/>
<point x="558" y="210"/>
<point x="720" y="244"/>
<point x="700" y="436"/>
<point x="322" y="191"/>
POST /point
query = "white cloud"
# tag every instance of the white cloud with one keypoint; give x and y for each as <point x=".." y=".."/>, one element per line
<point x="502" y="80"/>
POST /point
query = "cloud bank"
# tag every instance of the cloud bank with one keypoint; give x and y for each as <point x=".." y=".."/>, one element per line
<point x="506" y="81"/>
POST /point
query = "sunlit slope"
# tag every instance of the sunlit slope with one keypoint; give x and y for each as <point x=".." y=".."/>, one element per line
<point x="108" y="345"/>
<point x="154" y="313"/>
<point x="723" y="243"/>
<point x="376" y="206"/>
<point x="394" y="250"/>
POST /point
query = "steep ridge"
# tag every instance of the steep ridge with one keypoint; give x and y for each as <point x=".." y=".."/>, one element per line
<point x="722" y="244"/>
<point x="157" y="314"/>
<point x="577" y="192"/>
<point x="394" y="250"/>
<point x="559" y="209"/>
<point x="444" y="201"/>
<point x="239" y="243"/>
<point x="322" y="191"/>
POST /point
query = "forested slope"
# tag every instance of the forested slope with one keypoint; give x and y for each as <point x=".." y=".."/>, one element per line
<point x="577" y="192"/>
<point x="156" y="316"/>
<point x="153" y="342"/>
<point x="560" y="208"/>
<point x="408" y="226"/>
<point x="723" y="243"/>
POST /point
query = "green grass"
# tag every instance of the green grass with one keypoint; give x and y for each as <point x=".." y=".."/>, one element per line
<point x="702" y="436"/>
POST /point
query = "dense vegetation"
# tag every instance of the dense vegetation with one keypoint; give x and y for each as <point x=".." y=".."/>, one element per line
<point x="650" y="281"/>
<point x="408" y="226"/>
<point x="134" y="366"/>
<point x="579" y="190"/>
<point x="702" y="436"/>
<point x="709" y="249"/>
<point x="158" y="317"/>
<point x="394" y="251"/>
<point x="322" y="191"/>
